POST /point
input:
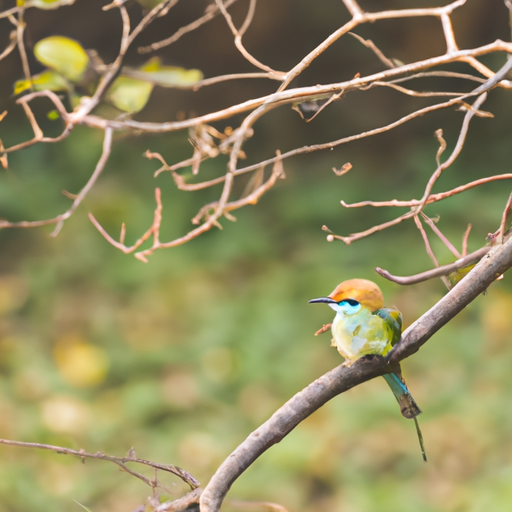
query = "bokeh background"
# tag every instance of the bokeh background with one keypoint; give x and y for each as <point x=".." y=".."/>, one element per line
<point x="183" y="357"/>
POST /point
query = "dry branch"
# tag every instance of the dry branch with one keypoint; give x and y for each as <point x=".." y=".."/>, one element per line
<point x="59" y="219"/>
<point x="443" y="270"/>
<point x="120" y="461"/>
<point x="232" y="144"/>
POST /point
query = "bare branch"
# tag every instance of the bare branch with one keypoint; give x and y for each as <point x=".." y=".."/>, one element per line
<point x="59" y="220"/>
<point x="232" y="144"/>
<point x="465" y="241"/>
<point x="120" y="461"/>
<point x="20" y="31"/>
<point x="446" y="22"/>
<point x="9" y="12"/>
<point x="38" y="133"/>
<point x="426" y="194"/>
<point x="305" y="93"/>
<point x="370" y="44"/>
<point x="433" y="197"/>
<point x="443" y="270"/>
<point x="181" y="504"/>
<point x="442" y="145"/>
<point x="239" y="33"/>
<point x="359" y="17"/>
<point x="443" y="239"/>
<point x="10" y="47"/>
<point x="233" y="76"/>
<point x="428" y="247"/>
<point x="211" y="12"/>
<point x="503" y="224"/>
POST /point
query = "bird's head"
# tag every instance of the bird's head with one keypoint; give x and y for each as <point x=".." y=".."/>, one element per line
<point x="349" y="296"/>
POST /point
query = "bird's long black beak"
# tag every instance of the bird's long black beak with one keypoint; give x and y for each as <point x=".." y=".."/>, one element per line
<point x="326" y="300"/>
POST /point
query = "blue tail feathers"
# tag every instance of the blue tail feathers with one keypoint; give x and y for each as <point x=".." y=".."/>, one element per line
<point x="408" y="406"/>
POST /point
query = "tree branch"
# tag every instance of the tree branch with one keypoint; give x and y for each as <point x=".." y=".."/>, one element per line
<point x="120" y="461"/>
<point x="443" y="270"/>
<point x="342" y="378"/>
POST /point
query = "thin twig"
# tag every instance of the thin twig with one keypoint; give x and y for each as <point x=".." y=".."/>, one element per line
<point x="239" y="33"/>
<point x="503" y="224"/>
<point x="10" y="47"/>
<point x="120" y="461"/>
<point x="233" y="76"/>
<point x="428" y="248"/>
<point x="410" y="92"/>
<point x="211" y="12"/>
<point x="181" y="504"/>
<point x="426" y="241"/>
<point x="20" y="31"/>
<point x="359" y="17"/>
<point x="465" y="240"/>
<point x="59" y="219"/>
<point x="370" y="44"/>
<point x="428" y="188"/>
<point x="432" y="198"/>
<point x="305" y="93"/>
<point x="232" y="144"/>
<point x="443" y="239"/>
<point x="9" y="12"/>
<point x="443" y="270"/>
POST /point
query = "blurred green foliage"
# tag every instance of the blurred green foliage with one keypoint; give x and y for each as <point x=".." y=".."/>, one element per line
<point x="183" y="357"/>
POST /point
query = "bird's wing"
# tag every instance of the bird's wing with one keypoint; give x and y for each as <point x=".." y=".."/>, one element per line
<point x="393" y="320"/>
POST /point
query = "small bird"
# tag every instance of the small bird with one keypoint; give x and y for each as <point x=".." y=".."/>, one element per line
<point x="363" y="326"/>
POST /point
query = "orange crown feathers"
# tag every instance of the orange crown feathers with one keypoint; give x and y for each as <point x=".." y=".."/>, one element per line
<point x="364" y="291"/>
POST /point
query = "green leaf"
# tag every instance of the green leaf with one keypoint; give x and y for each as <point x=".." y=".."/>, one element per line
<point x="165" y="76"/>
<point x="63" y="55"/>
<point x="129" y="95"/>
<point x="47" y="80"/>
<point x="47" y="4"/>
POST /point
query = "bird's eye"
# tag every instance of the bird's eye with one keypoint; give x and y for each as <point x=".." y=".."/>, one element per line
<point x="351" y="302"/>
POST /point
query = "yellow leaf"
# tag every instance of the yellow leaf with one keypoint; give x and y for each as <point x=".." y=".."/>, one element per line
<point x="129" y="94"/>
<point x="165" y="76"/>
<point x="45" y="81"/>
<point x="63" y="55"/>
<point x="46" y="4"/>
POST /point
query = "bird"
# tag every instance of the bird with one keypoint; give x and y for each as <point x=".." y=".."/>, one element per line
<point x="363" y="326"/>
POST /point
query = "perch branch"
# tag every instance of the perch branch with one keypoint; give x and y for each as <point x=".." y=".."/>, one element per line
<point x="342" y="378"/>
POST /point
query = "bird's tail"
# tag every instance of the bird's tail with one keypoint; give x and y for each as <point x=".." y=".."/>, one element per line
<point x="408" y="406"/>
